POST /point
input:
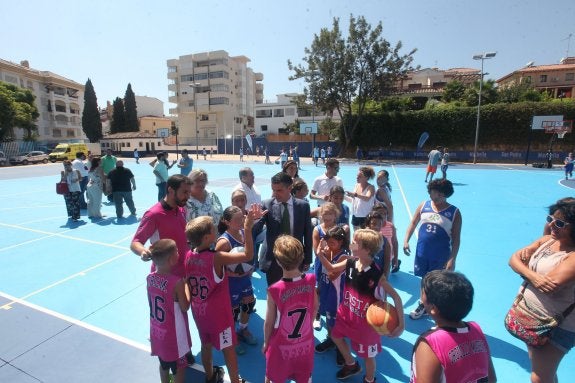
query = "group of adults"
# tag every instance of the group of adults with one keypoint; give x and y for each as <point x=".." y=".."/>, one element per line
<point x="89" y="178"/>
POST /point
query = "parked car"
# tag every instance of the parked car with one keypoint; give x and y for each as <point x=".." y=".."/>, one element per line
<point x="29" y="157"/>
<point x="3" y="159"/>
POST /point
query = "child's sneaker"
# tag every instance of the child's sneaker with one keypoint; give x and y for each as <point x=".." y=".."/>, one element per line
<point x="327" y="344"/>
<point x="418" y="313"/>
<point x="317" y="324"/>
<point x="348" y="371"/>
<point x="246" y="336"/>
<point x="396" y="268"/>
<point x="217" y="376"/>
<point x="367" y="381"/>
<point x="190" y="359"/>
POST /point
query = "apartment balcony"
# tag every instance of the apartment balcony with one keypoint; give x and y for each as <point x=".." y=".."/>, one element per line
<point x="426" y="91"/>
<point x="173" y="87"/>
<point x="173" y="99"/>
<point x="173" y="111"/>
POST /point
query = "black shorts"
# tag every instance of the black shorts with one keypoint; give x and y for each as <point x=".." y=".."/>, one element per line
<point x="358" y="221"/>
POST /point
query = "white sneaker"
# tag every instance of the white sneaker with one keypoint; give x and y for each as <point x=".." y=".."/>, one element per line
<point x="317" y="324"/>
<point x="418" y="313"/>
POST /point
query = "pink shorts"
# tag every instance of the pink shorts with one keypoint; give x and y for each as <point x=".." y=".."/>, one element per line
<point x="364" y="341"/>
<point x="219" y="340"/>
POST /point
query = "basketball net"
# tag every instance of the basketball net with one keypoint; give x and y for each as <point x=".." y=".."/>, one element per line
<point x="560" y="128"/>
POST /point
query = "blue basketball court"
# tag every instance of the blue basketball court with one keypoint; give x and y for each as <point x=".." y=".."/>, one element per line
<point x="73" y="300"/>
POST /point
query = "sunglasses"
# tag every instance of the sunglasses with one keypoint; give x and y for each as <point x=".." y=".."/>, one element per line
<point x="557" y="222"/>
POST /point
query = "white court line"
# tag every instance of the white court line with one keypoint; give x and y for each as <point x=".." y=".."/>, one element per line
<point x="78" y="274"/>
<point x="402" y="194"/>
<point x="63" y="236"/>
<point x="76" y="322"/>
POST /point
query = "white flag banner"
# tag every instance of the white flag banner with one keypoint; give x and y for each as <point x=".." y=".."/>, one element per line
<point x="249" y="140"/>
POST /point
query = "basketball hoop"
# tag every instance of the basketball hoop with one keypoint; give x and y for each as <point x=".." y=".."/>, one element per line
<point x="560" y="128"/>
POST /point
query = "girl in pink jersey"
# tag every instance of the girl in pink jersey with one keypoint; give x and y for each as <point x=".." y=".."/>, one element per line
<point x="454" y="350"/>
<point x="210" y="295"/>
<point x="169" y="331"/>
<point x="292" y="304"/>
<point x="364" y="284"/>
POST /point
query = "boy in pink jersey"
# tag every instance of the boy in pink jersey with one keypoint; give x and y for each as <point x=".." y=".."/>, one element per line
<point x="210" y="294"/>
<point x="292" y="305"/>
<point x="364" y="283"/>
<point x="454" y="350"/>
<point x="169" y="331"/>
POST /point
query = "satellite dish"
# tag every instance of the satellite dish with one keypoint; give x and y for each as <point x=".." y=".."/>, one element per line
<point x="529" y="64"/>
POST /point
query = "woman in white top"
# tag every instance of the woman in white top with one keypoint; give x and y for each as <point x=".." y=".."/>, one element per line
<point x="95" y="188"/>
<point x="202" y="201"/>
<point x="362" y="197"/>
<point x="72" y="178"/>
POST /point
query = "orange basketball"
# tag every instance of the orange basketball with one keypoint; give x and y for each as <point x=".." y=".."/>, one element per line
<point x="382" y="316"/>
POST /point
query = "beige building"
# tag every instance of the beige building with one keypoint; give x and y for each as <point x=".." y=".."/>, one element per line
<point x="59" y="101"/>
<point x="429" y="82"/>
<point x="558" y="80"/>
<point x="215" y="92"/>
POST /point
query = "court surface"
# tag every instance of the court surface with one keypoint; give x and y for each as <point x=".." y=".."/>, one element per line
<point x="73" y="300"/>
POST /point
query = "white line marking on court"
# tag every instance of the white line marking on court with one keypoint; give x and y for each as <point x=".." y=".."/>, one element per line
<point x="63" y="236"/>
<point x="77" y="322"/>
<point x="78" y="274"/>
<point x="402" y="194"/>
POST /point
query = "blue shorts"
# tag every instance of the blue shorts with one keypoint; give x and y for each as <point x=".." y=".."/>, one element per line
<point x="240" y="288"/>
<point x="423" y="265"/>
<point x="563" y="339"/>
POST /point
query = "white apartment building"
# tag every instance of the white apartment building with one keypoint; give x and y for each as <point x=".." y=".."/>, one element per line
<point x="272" y="117"/>
<point x="214" y="92"/>
<point x="59" y="101"/>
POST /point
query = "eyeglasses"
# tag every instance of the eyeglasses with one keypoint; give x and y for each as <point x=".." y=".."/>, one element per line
<point x="557" y="222"/>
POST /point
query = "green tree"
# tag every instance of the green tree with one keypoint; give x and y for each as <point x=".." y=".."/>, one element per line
<point x="17" y="110"/>
<point x="518" y="92"/>
<point x="131" y="110"/>
<point x="118" y="123"/>
<point x="488" y="94"/>
<point x="91" y="123"/>
<point x="453" y="91"/>
<point x="344" y="74"/>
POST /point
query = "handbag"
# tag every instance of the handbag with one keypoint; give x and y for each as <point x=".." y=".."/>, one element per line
<point x="530" y="324"/>
<point x="62" y="187"/>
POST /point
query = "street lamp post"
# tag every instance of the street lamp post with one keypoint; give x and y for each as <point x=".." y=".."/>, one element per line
<point x="482" y="57"/>
<point x="195" y="86"/>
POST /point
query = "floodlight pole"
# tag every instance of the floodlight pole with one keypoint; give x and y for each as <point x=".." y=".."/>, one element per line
<point x="482" y="57"/>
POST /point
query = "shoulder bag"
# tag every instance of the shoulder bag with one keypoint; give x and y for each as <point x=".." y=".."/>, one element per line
<point x="530" y="324"/>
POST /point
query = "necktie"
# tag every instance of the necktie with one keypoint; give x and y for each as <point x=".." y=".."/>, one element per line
<point x="285" y="224"/>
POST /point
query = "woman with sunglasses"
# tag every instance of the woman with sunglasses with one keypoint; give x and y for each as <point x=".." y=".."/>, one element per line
<point x="548" y="268"/>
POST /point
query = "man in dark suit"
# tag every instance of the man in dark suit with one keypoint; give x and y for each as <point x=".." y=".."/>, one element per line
<point x="286" y="215"/>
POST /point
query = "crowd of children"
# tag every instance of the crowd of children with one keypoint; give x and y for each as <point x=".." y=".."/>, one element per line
<point x="349" y="274"/>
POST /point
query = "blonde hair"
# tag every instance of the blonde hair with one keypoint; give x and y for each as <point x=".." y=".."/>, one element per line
<point x="369" y="240"/>
<point x="161" y="251"/>
<point x="197" y="173"/>
<point x="327" y="207"/>
<point x="288" y="252"/>
<point x="197" y="228"/>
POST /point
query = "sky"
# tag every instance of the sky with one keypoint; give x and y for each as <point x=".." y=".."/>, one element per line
<point x="116" y="42"/>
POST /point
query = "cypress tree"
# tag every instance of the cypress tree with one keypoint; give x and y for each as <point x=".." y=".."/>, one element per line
<point x="131" y="110"/>
<point x="91" y="124"/>
<point x="118" y="124"/>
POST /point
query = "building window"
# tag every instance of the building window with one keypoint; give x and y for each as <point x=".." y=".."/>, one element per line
<point x="278" y="112"/>
<point x="219" y="74"/>
<point x="528" y="79"/>
<point x="172" y="69"/>
<point x="69" y="133"/>
<point x="219" y="101"/>
<point x="569" y="76"/>
<point x="263" y="113"/>
<point x="290" y="111"/>
<point x="219" y="88"/>
<point x="159" y="144"/>
<point x="140" y="144"/>
<point x="204" y="117"/>
<point x="543" y="78"/>
<point x="128" y="144"/>
<point x="264" y="128"/>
